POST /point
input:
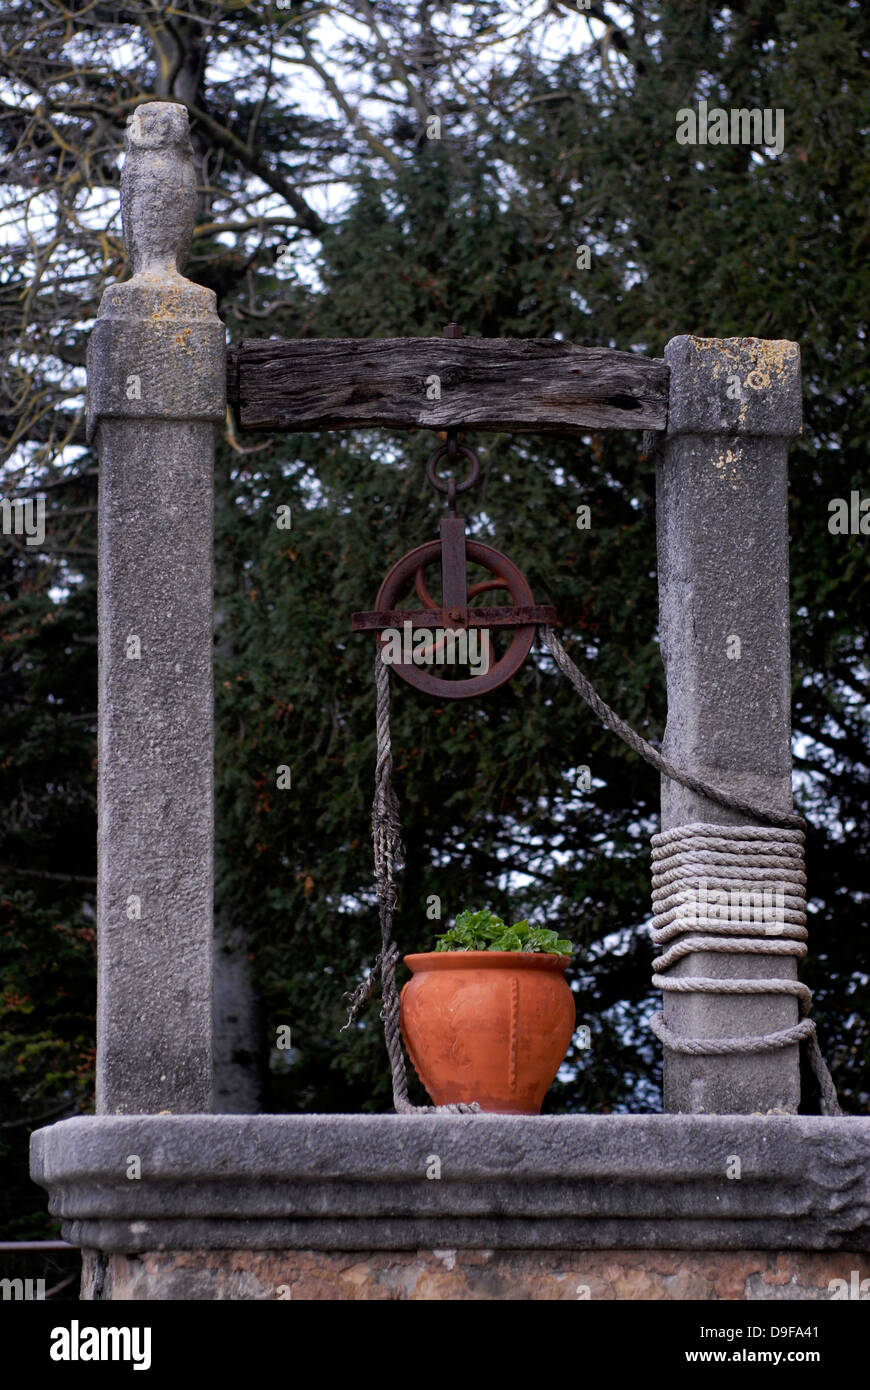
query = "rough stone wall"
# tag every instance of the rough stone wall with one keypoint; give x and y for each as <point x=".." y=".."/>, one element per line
<point x="492" y="1275"/>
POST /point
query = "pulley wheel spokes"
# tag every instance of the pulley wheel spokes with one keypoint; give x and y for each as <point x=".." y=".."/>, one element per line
<point x="464" y="629"/>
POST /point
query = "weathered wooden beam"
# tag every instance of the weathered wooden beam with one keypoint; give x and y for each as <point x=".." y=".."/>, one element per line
<point x="536" y="385"/>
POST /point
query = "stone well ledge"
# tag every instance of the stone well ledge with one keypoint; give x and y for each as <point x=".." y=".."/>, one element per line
<point x="359" y="1182"/>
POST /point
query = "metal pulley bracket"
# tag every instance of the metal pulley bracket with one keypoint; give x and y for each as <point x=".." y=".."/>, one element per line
<point x="456" y="613"/>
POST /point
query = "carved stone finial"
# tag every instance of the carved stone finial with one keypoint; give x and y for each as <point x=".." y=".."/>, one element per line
<point x="158" y="188"/>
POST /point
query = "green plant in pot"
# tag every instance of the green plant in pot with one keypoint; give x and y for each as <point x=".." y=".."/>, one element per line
<point x="488" y="1015"/>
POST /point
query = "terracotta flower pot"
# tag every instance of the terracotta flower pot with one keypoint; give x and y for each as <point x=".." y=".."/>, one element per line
<point x="490" y="1026"/>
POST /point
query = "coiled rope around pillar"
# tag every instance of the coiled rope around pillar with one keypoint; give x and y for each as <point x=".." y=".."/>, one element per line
<point x="707" y="881"/>
<point x="735" y="858"/>
<point x="691" y="862"/>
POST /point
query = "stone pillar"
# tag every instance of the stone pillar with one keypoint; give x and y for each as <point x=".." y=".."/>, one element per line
<point x="722" y="525"/>
<point x="156" y="391"/>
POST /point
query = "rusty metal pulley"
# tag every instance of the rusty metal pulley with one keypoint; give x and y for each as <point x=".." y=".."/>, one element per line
<point x="454" y="624"/>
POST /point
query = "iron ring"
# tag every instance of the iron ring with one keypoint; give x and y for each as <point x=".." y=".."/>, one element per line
<point x="467" y="482"/>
